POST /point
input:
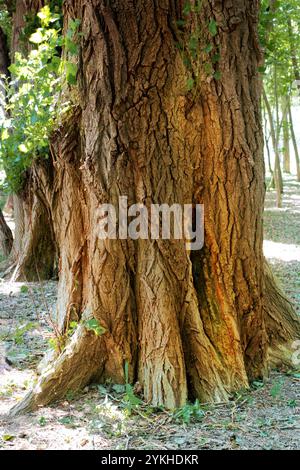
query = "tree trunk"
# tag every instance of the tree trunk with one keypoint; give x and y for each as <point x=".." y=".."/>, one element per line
<point x="294" y="140"/>
<point x="34" y="249"/>
<point x="187" y="325"/>
<point x="294" y="55"/>
<point x="6" y="236"/>
<point x="286" y="137"/>
<point x="277" y="168"/>
<point x="267" y="139"/>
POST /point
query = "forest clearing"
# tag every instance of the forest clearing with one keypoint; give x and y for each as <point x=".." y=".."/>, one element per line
<point x="149" y="225"/>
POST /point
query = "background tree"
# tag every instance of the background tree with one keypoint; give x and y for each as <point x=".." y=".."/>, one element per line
<point x="281" y="44"/>
<point x="34" y="251"/>
<point x="6" y="236"/>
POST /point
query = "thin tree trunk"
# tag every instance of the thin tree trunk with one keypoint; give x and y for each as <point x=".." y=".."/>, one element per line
<point x="267" y="139"/>
<point x="294" y="140"/>
<point x="286" y="137"/>
<point x="34" y="250"/>
<point x="277" y="168"/>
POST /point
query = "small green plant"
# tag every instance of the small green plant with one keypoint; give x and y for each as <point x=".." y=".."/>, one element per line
<point x="94" y="325"/>
<point x="197" y="53"/>
<point x="72" y="328"/>
<point x="18" y="334"/>
<point x="189" y="413"/>
<point x="59" y="340"/>
<point x="257" y="384"/>
<point x="68" y="421"/>
<point x="276" y="389"/>
<point x="42" y="421"/>
<point x="130" y="400"/>
<point x="24" y="289"/>
<point x="70" y="395"/>
<point x="18" y="337"/>
<point x="292" y="403"/>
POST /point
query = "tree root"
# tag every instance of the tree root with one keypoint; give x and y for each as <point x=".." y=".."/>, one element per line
<point x="79" y="363"/>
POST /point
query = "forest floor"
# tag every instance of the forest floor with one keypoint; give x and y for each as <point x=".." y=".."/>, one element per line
<point x="265" y="417"/>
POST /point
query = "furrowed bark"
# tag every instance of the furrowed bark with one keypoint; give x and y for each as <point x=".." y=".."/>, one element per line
<point x="6" y="236"/>
<point x="188" y="325"/>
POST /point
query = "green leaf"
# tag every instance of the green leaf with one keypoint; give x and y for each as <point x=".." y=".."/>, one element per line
<point x="45" y="15"/>
<point x="193" y="43"/>
<point x="190" y="84"/>
<point x="7" y="437"/>
<point x="71" y="73"/>
<point x="5" y="134"/>
<point x="13" y="69"/>
<point x="118" y="388"/>
<point x="216" y="58"/>
<point x="74" y="25"/>
<point x="262" y="69"/>
<point x="217" y="75"/>
<point x="212" y="27"/>
<point x="94" y="325"/>
<point x="71" y="46"/>
<point x="180" y="23"/>
<point x="208" y="68"/>
<point x="23" y="148"/>
<point x="37" y="37"/>
<point x="187" y="9"/>
<point x="42" y="421"/>
<point x="208" y="48"/>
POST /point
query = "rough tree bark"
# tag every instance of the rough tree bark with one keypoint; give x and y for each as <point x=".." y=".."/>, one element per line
<point x="200" y="325"/>
<point x="34" y="250"/>
<point x="6" y="236"/>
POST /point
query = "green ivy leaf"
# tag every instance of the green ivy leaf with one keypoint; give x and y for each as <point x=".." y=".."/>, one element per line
<point x="71" y="73"/>
<point x="217" y="75"/>
<point x="187" y="9"/>
<point x="71" y="46"/>
<point x="190" y="84"/>
<point x="94" y="325"/>
<point x="212" y="27"/>
<point x="208" y="48"/>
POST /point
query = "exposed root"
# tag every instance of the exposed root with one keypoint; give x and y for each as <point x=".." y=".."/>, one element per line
<point x="81" y="361"/>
